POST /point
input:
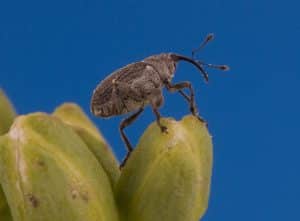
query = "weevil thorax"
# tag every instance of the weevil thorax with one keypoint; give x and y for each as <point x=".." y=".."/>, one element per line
<point x="165" y="65"/>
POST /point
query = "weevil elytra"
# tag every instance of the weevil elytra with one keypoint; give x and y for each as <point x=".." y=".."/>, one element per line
<point x="131" y="88"/>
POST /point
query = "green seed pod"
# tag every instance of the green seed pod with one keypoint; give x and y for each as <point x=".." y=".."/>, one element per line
<point x="47" y="173"/>
<point x="167" y="177"/>
<point x="4" y="209"/>
<point x="73" y="115"/>
<point x="7" y="115"/>
<point x="2" y="200"/>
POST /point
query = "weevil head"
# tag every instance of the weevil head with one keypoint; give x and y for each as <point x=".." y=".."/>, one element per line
<point x="164" y="64"/>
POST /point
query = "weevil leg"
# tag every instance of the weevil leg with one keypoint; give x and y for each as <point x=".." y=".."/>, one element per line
<point x="163" y="128"/>
<point x="126" y="122"/>
<point x="182" y="85"/>
<point x="156" y="100"/>
<point x="185" y="95"/>
<point x="191" y="99"/>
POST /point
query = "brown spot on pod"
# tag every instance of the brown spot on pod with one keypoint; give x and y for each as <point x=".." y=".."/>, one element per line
<point x="33" y="200"/>
<point x="74" y="194"/>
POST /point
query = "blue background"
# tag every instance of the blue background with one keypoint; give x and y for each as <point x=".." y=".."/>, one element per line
<point x="57" y="51"/>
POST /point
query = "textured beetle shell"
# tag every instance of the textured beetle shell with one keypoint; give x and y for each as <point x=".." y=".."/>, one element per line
<point x="164" y="63"/>
<point x="140" y="76"/>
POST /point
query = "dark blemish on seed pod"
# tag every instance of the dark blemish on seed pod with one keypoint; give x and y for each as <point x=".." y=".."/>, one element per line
<point x="41" y="163"/>
<point x="33" y="200"/>
<point x="83" y="195"/>
<point x="74" y="194"/>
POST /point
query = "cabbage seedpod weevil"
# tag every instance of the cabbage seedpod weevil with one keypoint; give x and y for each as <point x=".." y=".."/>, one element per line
<point x="131" y="88"/>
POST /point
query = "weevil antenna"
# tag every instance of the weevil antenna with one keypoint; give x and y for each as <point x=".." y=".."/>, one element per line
<point x="197" y="64"/>
<point x="221" y="67"/>
<point x="208" y="38"/>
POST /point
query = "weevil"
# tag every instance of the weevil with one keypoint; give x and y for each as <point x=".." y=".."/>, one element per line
<point x="131" y="88"/>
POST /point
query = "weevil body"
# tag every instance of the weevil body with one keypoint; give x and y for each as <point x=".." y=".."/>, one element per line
<point x="131" y="88"/>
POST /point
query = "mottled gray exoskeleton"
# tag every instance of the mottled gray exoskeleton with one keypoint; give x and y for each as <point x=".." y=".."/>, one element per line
<point x="136" y="85"/>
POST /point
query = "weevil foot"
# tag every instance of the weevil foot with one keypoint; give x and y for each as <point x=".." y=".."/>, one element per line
<point x="201" y="119"/>
<point x="125" y="160"/>
<point x="163" y="129"/>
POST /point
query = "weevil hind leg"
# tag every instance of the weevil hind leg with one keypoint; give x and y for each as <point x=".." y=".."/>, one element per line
<point x="191" y="99"/>
<point x="126" y="122"/>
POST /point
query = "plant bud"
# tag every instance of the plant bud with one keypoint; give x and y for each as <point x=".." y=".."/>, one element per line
<point x="73" y="115"/>
<point x="167" y="177"/>
<point x="48" y="173"/>
<point x="7" y="113"/>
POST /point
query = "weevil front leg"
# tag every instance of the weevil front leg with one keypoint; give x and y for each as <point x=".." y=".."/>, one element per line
<point x="191" y="99"/>
<point x="126" y="122"/>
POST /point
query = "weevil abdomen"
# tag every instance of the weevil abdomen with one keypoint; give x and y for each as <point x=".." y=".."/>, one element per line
<point x="125" y="90"/>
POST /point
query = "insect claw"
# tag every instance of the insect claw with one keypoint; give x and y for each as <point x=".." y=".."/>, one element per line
<point x="125" y="160"/>
<point x="201" y="120"/>
<point x="164" y="129"/>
